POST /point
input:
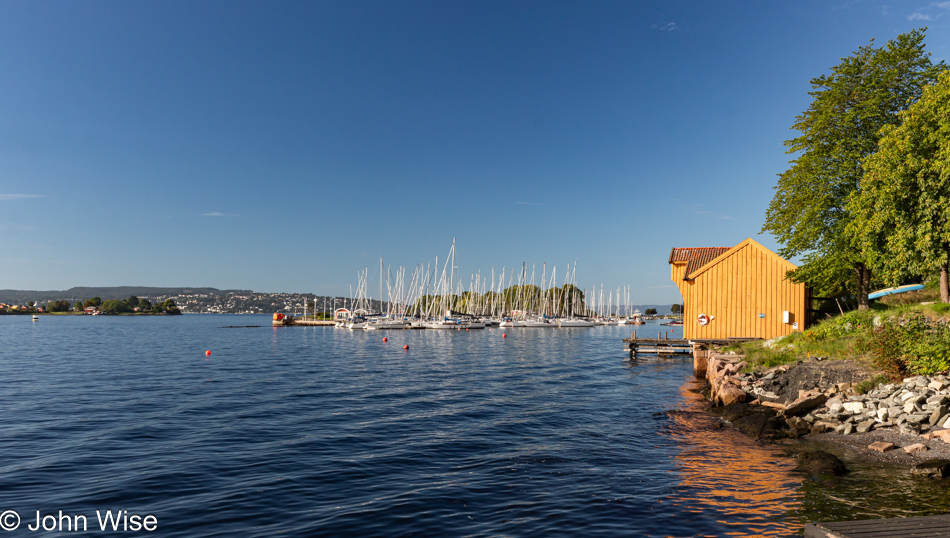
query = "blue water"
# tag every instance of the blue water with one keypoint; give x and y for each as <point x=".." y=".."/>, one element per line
<point x="321" y="431"/>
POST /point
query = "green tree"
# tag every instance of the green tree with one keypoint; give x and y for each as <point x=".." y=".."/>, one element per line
<point x="902" y="212"/>
<point x="808" y="214"/>
<point x="95" y="301"/>
<point x="676" y="309"/>
<point x="78" y="306"/>
<point x="649" y="312"/>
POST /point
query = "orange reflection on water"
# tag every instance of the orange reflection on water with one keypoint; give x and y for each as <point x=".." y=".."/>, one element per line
<point x="730" y="477"/>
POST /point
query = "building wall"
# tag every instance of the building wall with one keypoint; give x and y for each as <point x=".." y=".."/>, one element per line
<point x="734" y="289"/>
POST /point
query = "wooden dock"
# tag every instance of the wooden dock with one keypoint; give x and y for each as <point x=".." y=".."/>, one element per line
<point x="881" y="528"/>
<point x="661" y="346"/>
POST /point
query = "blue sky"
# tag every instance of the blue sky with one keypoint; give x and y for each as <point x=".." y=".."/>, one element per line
<point x="283" y="146"/>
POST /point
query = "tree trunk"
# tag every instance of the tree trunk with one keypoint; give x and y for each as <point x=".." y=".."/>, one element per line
<point x="863" y="276"/>
<point x="944" y="288"/>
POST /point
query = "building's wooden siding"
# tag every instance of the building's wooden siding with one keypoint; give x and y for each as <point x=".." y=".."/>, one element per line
<point x="735" y="288"/>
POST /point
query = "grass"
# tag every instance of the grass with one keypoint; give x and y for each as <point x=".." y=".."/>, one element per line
<point x="858" y="335"/>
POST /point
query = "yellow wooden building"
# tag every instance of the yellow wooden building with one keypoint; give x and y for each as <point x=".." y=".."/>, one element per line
<point x="738" y="292"/>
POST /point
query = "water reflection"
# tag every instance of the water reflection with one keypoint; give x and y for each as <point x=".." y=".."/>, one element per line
<point x="745" y="486"/>
<point x="753" y="487"/>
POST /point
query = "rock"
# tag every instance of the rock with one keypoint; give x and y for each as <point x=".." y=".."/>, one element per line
<point x="932" y="469"/>
<point x="854" y="407"/>
<point x="882" y="414"/>
<point x="946" y="423"/>
<point x="730" y="394"/>
<point x="819" y="463"/>
<point x="753" y="420"/>
<point x="894" y="412"/>
<point x="798" y="425"/>
<point x="943" y="435"/>
<point x="915" y="448"/>
<point x="921" y="381"/>
<point x="909" y="429"/>
<point x="916" y="419"/>
<point x="848" y="429"/>
<point x="843" y="387"/>
<point x="909" y="407"/>
<point x="865" y="426"/>
<point x="804" y="405"/>
<point x="881" y="446"/>
<point x="938" y="414"/>
<point x="822" y="426"/>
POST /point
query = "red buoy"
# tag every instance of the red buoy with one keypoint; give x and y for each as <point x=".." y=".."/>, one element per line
<point x="208" y="353"/>
<point x="504" y="336"/>
<point x="405" y="346"/>
<point x="385" y="339"/>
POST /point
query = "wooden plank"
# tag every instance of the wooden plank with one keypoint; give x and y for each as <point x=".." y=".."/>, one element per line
<point x="882" y="528"/>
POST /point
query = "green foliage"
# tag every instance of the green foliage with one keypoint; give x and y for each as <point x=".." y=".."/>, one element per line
<point x="868" y="385"/>
<point x="650" y="312"/>
<point x="911" y="344"/>
<point x="809" y="214"/>
<point x="95" y="301"/>
<point x="57" y="306"/>
<point x="902" y="212"/>
<point x="849" y="324"/>
<point x="78" y="306"/>
<point x="676" y="309"/>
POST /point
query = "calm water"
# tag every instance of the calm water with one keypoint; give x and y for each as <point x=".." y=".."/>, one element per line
<point x="323" y="431"/>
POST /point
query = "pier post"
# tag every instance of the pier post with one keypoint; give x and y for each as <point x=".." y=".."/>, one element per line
<point x="700" y="354"/>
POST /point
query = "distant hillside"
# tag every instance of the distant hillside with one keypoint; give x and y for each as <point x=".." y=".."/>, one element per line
<point x="104" y="293"/>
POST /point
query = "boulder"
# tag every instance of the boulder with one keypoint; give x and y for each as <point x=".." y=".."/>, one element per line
<point x="804" y="405"/>
<point x="932" y="469"/>
<point x="915" y="448"/>
<point x="730" y="394"/>
<point x="819" y="463"/>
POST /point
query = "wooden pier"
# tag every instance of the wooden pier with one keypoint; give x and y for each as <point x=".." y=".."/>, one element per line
<point x="661" y="346"/>
<point x="882" y="528"/>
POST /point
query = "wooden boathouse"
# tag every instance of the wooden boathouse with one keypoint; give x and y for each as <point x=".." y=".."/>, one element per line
<point x="738" y="292"/>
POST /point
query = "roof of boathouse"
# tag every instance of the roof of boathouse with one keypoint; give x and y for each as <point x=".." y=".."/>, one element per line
<point x="696" y="257"/>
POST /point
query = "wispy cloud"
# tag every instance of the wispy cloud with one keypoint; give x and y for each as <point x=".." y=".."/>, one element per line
<point x="218" y="214"/>
<point x="528" y="203"/>
<point x="715" y="215"/>
<point x="666" y="27"/>
<point x="926" y="13"/>
<point x="19" y="196"/>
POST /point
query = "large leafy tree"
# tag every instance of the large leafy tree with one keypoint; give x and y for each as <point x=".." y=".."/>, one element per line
<point x="809" y="214"/>
<point x="902" y="211"/>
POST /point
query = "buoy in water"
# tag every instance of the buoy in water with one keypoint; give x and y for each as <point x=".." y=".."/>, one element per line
<point x="385" y="339"/>
<point x="504" y="336"/>
<point x="405" y="346"/>
<point x="208" y="353"/>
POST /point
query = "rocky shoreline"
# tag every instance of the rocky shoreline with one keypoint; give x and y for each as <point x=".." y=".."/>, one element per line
<point x="905" y="423"/>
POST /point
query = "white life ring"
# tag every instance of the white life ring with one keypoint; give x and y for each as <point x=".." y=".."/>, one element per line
<point x="703" y="319"/>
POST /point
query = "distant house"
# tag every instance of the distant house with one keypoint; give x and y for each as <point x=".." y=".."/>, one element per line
<point x="738" y="292"/>
<point x="89" y="310"/>
<point x="341" y="314"/>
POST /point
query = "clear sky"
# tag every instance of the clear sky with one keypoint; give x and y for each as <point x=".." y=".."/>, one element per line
<point x="283" y="146"/>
